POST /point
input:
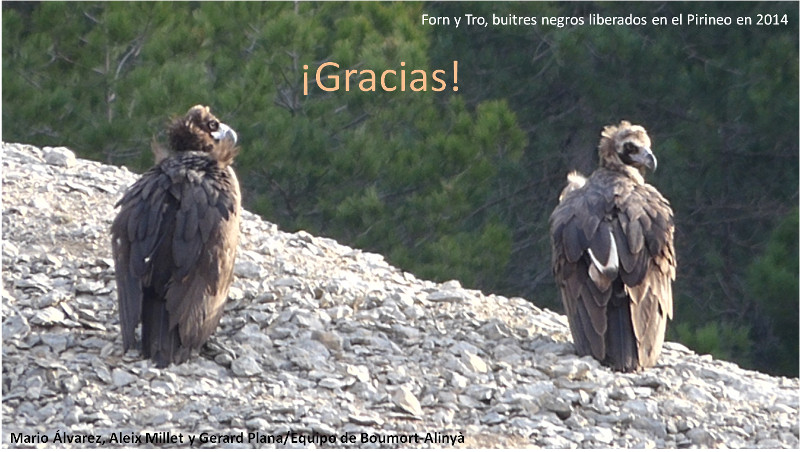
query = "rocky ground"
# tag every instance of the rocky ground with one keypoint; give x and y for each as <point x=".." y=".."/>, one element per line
<point x="323" y="345"/>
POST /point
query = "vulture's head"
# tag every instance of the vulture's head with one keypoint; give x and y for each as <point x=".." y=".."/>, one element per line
<point x="199" y="130"/>
<point x="626" y="145"/>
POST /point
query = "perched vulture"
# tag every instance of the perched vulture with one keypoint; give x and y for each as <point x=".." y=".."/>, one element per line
<point x="175" y="237"/>
<point x="613" y="255"/>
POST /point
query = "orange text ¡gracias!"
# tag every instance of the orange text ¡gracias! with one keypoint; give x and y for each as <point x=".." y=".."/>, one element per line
<point x="330" y="78"/>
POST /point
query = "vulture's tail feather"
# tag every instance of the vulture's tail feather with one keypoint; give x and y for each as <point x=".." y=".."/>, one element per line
<point x="621" y="348"/>
<point x="158" y="342"/>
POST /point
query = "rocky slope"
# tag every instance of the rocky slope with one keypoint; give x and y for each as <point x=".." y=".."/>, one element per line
<point x="323" y="345"/>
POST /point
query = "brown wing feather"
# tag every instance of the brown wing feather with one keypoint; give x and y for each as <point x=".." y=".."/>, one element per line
<point x="574" y="224"/>
<point x="135" y="235"/>
<point x="196" y="298"/>
<point x="618" y="318"/>
<point x="652" y="296"/>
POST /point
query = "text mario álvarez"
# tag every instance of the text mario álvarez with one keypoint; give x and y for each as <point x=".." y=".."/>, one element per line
<point x="289" y="437"/>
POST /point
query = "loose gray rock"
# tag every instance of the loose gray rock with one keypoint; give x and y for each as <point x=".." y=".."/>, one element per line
<point x="447" y="295"/>
<point x="153" y="416"/>
<point x="361" y="373"/>
<point x="48" y="316"/>
<point x="245" y="366"/>
<point x="120" y="377"/>
<point x="15" y="326"/>
<point x="474" y="362"/>
<point x="407" y="401"/>
<point x="701" y="437"/>
<point x="59" y="156"/>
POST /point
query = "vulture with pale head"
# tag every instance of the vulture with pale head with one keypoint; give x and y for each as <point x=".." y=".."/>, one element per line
<point x="175" y="237"/>
<point x="613" y="255"/>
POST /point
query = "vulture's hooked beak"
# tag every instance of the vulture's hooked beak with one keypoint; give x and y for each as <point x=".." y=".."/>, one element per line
<point x="225" y="133"/>
<point x="650" y="159"/>
<point x="646" y="158"/>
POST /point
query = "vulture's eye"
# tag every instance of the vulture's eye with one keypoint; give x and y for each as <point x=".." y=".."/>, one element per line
<point x="213" y="125"/>
<point x="631" y="148"/>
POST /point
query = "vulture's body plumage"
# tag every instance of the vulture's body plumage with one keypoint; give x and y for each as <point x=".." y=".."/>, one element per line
<point x="613" y="256"/>
<point x="174" y="240"/>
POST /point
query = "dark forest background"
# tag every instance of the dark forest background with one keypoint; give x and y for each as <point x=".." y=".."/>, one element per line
<point x="456" y="185"/>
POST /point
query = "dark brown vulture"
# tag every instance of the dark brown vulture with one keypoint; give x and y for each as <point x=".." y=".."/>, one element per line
<point x="613" y="255"/>
<point x="175" y="237"/>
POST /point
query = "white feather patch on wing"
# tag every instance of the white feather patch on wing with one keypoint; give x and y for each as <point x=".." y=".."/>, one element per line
<point x="612" y="266"/>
